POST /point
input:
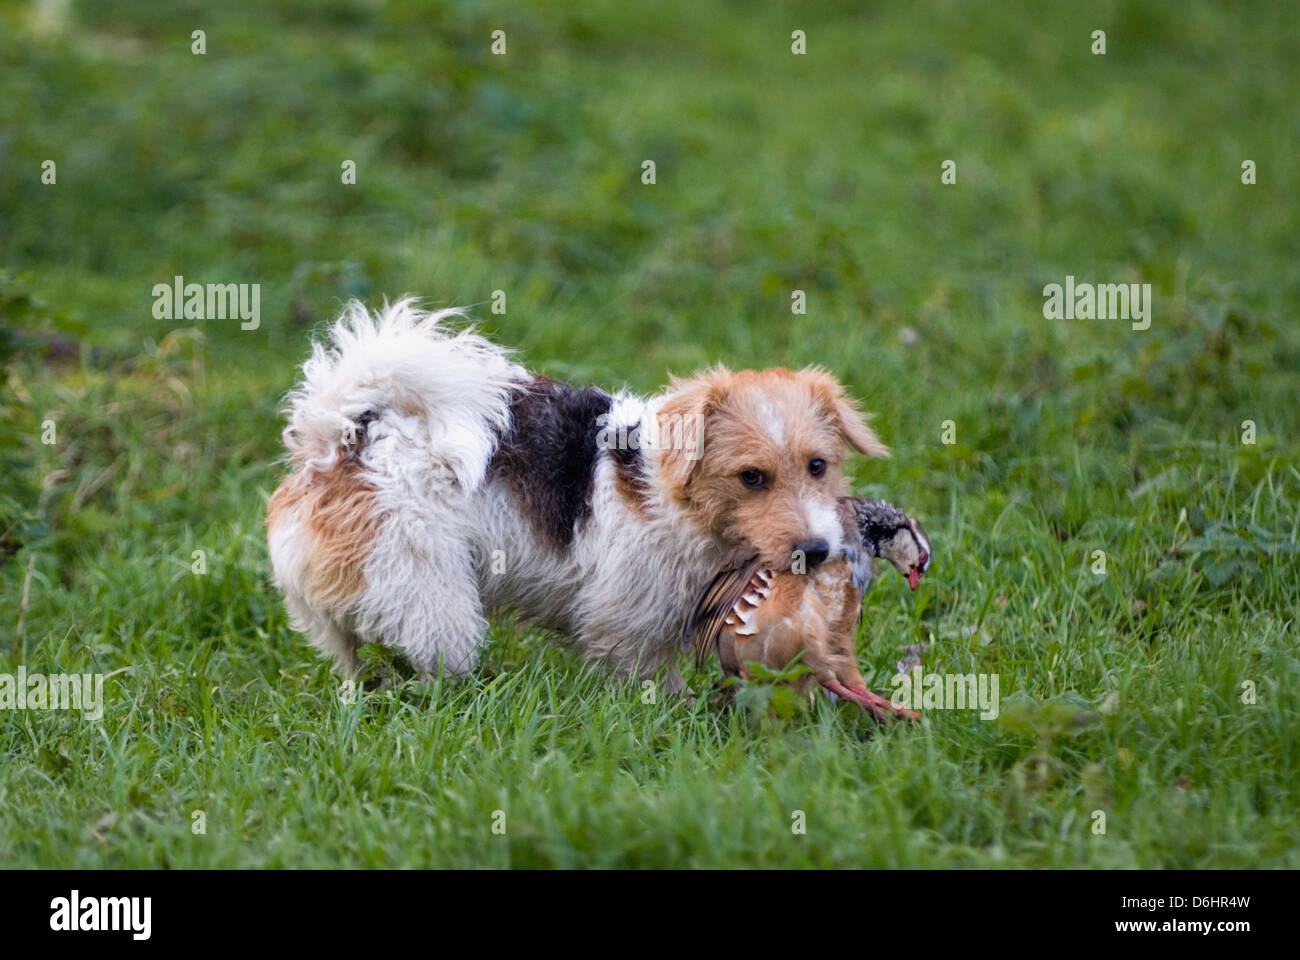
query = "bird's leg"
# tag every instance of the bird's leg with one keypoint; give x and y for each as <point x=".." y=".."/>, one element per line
<point x="877" y="706"/>
<point x="837" y="688"/>
<point x="866" y="695"/>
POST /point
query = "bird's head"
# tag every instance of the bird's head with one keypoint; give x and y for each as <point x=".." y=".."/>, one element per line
<point x="908" y="550"/>
<point x="892" y="535"/>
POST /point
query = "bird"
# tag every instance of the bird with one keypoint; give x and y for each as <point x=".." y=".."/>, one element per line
<point x="750" y="613"/>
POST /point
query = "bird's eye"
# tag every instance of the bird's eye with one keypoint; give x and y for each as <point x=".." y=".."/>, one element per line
<point x="752" y="478"/>
<point x="817" y="466"/>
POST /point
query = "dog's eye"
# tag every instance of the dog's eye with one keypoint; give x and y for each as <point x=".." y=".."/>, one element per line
<point x="753" y="478"/>
<point x="817" y="466"/>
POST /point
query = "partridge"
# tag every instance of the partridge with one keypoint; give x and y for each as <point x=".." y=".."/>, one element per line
<point x="751" y="614"/>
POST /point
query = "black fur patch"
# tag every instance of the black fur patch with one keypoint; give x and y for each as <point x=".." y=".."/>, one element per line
<point x="548" y="458"/>
<point x="352" y="451"/>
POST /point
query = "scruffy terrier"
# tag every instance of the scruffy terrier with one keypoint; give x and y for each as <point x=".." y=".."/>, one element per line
<point x="435" y="481"/>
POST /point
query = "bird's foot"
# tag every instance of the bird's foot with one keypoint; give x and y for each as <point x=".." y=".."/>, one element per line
<point x="879" y="708"/>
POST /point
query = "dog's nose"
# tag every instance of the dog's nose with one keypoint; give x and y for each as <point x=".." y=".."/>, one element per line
<point x="814" y="551"/>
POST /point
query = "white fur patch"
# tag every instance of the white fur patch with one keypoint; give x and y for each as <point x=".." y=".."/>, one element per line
<point x="824" y="524"/>
<point x="432" y="402"/>
<point x="772" y="422"/>
<point x="445" y="391"/>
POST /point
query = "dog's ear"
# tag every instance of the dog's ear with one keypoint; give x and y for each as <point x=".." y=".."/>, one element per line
<point x="682" y="418"/>
<point x="839" y="407"/>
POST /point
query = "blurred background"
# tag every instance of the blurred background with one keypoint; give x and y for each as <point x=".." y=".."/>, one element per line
<point x="775" y="172"/>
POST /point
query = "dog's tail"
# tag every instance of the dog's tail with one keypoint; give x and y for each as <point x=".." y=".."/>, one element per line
<point x="391" y="431"/>
<point x="401" y="374"/>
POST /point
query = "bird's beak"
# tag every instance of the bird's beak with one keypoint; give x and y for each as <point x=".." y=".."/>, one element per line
<point x="914" y="574"/>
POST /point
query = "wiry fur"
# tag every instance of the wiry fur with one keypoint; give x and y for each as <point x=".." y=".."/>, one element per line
<point x="411" y="410"/>
<point x="434" y="481"/>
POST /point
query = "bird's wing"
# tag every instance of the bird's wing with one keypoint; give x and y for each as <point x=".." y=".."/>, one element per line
<point x="724" y="589"/>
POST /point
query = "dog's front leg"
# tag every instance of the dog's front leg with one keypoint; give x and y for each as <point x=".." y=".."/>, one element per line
<point x="673" y="680"/>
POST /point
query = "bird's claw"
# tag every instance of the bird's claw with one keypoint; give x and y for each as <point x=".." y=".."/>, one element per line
<point x="881" y="709"/>
<point x="877" y="703"/>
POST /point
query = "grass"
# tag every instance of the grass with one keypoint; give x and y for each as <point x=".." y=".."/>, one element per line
<point x="1121" y="693"/>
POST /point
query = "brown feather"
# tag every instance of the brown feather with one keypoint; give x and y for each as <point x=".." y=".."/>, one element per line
<point x="730" y="579"/>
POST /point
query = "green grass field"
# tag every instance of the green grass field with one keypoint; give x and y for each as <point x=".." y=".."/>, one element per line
<point x="1121" y="693"/>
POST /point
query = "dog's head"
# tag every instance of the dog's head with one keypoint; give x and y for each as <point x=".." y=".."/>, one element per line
<point x="767" y="464"/>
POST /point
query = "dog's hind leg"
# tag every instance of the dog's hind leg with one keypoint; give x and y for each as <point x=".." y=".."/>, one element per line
<point x="422" y="594"/>
<point x="391" y="429"/>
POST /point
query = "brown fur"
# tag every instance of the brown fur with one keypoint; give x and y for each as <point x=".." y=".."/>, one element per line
<point x="338" y="509"/>
<point x="631" y="484"/>
<point x="775" y="421"/>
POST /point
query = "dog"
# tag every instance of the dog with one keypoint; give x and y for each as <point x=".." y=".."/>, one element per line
<point x="434" y="481"/>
